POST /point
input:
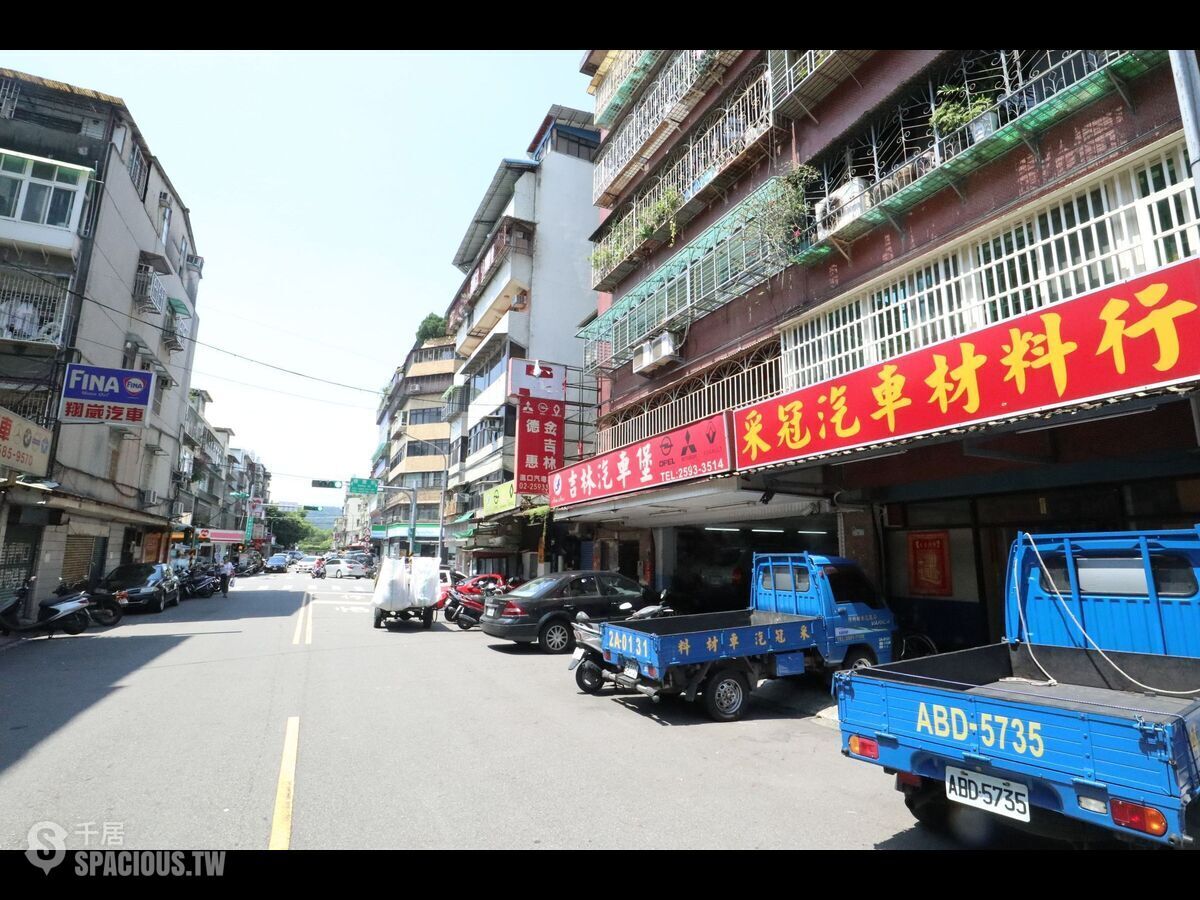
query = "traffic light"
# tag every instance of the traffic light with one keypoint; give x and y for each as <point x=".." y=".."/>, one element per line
<point x="326" y="484"/>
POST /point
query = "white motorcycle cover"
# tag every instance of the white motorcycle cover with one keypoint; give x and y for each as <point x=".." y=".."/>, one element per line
<point x="405" y="584"/>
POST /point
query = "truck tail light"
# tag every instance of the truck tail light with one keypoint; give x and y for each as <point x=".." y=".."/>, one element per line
<point x="1139" y="818"/>
<point x="652" y="671"/>
<point x="908" y="778"/>
<point x="511" y="609"/>
<point x="861" y="746"/>
<point x="608" y="656"/>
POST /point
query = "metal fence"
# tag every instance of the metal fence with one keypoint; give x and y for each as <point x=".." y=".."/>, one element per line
<point x="33" y="307"/>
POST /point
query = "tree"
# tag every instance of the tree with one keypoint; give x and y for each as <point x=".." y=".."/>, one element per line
<point x="432" y="326"/>
<point x="289" y="528"/>
<point x="318" y="541"/>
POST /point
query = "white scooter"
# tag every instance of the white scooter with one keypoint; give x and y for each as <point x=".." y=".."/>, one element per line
<point x="66" y="614"/>
<point x="588" y="658"/>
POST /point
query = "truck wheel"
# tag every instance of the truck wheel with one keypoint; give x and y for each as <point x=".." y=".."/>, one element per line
<point x="427" y="617"/>
<point x="858" y="658"/>
<point x="928" y="808"/>
<point x="726" y="696"/>
<point x="588" y="677"/>
<point x="556" y="637"/>
<point x="379" y="618"/>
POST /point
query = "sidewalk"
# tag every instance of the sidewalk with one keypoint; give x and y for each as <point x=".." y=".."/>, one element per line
<point x="800" y="695"/>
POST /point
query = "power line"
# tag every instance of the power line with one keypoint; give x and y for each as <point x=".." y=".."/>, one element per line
<point x="195" y="341"/>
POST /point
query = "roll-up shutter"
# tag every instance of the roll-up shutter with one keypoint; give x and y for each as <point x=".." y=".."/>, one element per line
<point x="77" y="558"/>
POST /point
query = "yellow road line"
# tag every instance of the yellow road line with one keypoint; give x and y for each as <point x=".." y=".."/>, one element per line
<point x="281" y="825"/>
<point x="300" y="621"/>
<point x="308" y="628"/>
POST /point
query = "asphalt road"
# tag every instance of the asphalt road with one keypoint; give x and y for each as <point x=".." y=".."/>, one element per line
<point x="171" y="730"/>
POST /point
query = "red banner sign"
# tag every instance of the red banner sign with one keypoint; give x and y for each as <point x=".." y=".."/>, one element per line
<point x="694" y="451"/>
<point x="539" y="443"/>
<point x="929" y="563"/>
<point x="1138" y="334"/>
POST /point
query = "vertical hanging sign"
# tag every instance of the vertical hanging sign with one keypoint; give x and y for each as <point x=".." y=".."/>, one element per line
<point x="540" y="391"/>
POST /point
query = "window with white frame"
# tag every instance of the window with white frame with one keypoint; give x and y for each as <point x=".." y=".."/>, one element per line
<point x="1139" y="218"/>
<point x="139" y="172"/>
<point x="40" y="191"/>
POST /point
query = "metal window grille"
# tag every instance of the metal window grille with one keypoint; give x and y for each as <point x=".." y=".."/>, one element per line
<point x="1108" y="230"/>
<point x="32" y="307"/>
<point x="139" y="171"/>
<point x="671" y="85"/>
<point x="713" y="146"/>
<point x="148" y="292"/>
<point x="622" y="77"/>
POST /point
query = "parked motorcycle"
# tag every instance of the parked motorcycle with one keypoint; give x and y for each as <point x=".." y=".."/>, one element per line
<point x="464" y="610"/>
<point x="200" y="581"/>
<point x="103" y="610"/>
<point x="68" y="614"/>
<point x="588" y="658"/>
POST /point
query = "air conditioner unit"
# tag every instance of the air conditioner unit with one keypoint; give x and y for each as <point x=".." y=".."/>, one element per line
<point x="842" y="207"/>
<point x="195" y="262"/>
<point x="521" y="301"/>
<point x="656" y="353"/>
<point x="149" y="498"/>
<point x="164" y="198"/>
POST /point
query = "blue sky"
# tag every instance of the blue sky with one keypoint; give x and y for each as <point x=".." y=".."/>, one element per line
<point x="328" y="193"/>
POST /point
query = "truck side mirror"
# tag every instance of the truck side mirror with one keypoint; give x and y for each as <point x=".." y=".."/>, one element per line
<point x="842" y="610"/>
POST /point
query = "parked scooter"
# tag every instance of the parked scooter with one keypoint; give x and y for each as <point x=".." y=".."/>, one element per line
<point x="67" y="614"/>
<point x="588" y="658"/>
<point x="464" y="610"/>
<point x="105" y="610"/>
<point x="200" y="581"/>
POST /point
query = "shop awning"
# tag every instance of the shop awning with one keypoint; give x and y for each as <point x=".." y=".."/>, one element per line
<point x="466" y="516"/>
<point x="463" y="535"/>
<point x="181" y="308"/>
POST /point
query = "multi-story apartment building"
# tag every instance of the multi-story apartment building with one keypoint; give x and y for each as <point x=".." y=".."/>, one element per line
<point x="891" y="301"/>
<point x="98" y="266"/>
<point x="353" y="526"/>
<point x="526" y="287"/>
<point x="417" y="444"/>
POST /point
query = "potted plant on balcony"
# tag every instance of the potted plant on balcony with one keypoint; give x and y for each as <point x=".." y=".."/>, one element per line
<point x="658" y="214"/>
<point x="956" y="109"/>
<point x="783" y="221"/>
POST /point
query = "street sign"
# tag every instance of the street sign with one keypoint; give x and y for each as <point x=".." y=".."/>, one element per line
<point x="24" y="445"/>
<point x="364" y="486"/>
<point x="249" y="530"/>
<point x="313" y="508"/>
<point x="326" y="484"/>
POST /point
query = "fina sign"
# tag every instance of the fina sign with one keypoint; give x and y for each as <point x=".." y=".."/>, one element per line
<point x="94" y="395"/>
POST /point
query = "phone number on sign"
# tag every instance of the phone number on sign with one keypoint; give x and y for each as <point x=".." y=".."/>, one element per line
<point x="694" y="471"/>
<point x="18" y="456"/>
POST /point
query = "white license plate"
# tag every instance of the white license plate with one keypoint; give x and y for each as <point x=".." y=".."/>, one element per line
<point x="578" y="654"/>
<point x="491" y="611"/>
<point x="1004" y="798"/>
<point x="631" y="670"/>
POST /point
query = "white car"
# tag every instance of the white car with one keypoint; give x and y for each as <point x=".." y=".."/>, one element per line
<point x="306" y="563"/>
<point x="340" y="567"/>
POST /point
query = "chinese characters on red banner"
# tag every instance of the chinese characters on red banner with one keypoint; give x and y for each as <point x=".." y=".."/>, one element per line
<point x="101" y="412"/>
<point x="539" y="443"/>
<point x="1141" y="333"/>
<point x="694" y="451"/>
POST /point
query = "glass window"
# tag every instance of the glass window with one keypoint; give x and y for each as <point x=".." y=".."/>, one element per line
<point x="1124" y="576"/>
<point x="59" y="213"/>
<point x="621" y="587"/>
<point x="783" y="579"/>
<point x="850" y="585"/>
<point x="586" y="586"/>
<point x="13" y="164"/>
<point x="1173" y="576"/>
<point x="44" y="171"/>
<point x="536" y="589"/>
<point x="10" y="190"/>
<point x="36" y="196"/>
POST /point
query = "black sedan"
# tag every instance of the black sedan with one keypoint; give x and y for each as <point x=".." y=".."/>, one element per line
<point x="542" y="609"/>
<point x="150" y="585"/>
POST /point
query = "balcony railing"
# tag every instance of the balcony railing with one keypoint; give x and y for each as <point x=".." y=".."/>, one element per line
<point x="693" y="400"/>
<point x="512" y="234"/>
<point x="175" y="335"/>
<point x="676" y="89"/>
<point x="714" y="153"/>
<point x="801" y="78"/>
<point x="149" y="295"/>
<point x="32" y="307"/>
<point x="37" y="405"/>
<point x="729" y="258"/>
<point x="849" y="207"/>
<point x="627" y="71"/>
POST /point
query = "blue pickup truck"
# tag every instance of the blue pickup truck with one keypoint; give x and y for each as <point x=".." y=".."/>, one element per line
<point x="809" y="614"/>
<point x="1087" y="716"/>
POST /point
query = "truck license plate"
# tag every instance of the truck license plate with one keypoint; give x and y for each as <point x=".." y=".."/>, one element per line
<point x="1005" y="798"/>
<point x="578" y="654"/>
<point x="631" y="670"/>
